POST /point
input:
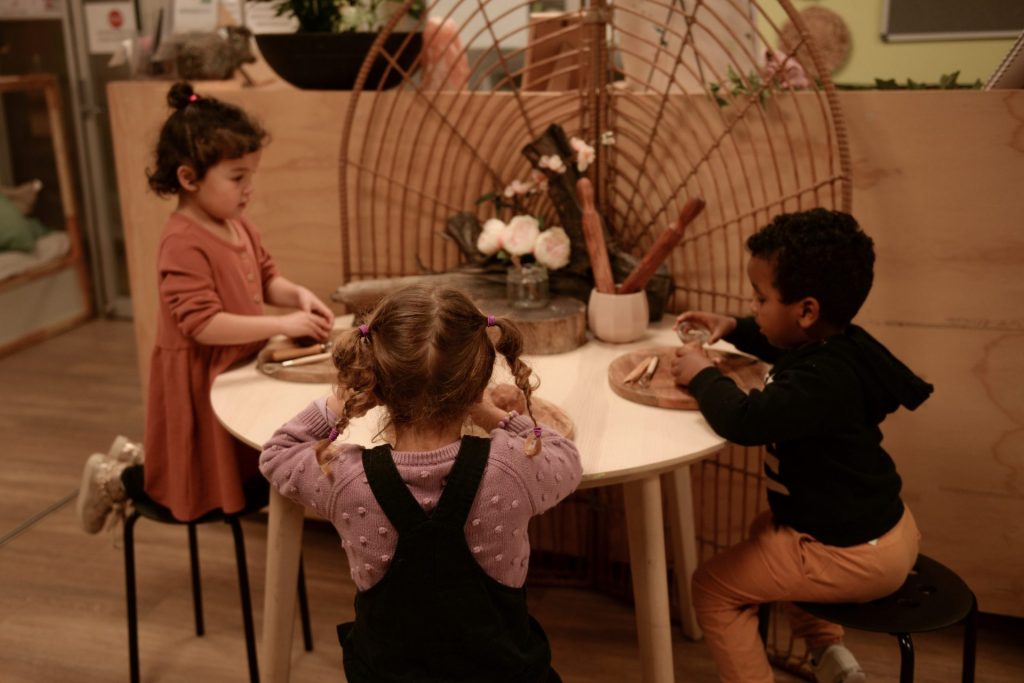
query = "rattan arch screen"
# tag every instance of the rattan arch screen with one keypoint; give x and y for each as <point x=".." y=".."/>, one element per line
<point x="674" y="95"/>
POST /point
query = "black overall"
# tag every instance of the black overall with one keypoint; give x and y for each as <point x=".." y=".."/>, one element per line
<point x="436" y="616"/>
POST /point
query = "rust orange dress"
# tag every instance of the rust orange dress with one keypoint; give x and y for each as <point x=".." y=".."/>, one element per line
<point x="193" y="465"/>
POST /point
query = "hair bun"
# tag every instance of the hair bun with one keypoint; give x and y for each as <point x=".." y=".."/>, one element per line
<point x="180" y="95"/>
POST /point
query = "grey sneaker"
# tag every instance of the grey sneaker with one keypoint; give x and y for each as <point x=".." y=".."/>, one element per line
<point x="95" y="500"/>
<point x="838" y="665"/>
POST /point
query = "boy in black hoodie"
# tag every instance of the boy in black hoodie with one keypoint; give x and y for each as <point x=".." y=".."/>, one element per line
<point x="837" y="530"/>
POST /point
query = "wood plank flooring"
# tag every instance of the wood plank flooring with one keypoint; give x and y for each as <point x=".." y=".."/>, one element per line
<point x="62" y="614"/>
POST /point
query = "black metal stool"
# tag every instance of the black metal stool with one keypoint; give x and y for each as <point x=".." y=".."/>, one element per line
<point x="932" y="598"/>
<point x="150" y="510"/>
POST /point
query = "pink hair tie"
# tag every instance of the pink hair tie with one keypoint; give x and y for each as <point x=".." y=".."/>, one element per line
<point x="490" y="321"/>
<point x="193" y="97"/>
<point x="333" y="435"/>
<point x="364" y="330"/>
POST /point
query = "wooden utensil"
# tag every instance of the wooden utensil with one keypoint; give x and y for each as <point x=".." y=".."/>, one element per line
<point x="594" y="236"/>
<point x="661" y="248"/>
<point x="279" y="355"/>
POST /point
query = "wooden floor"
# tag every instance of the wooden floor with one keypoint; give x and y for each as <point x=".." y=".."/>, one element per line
<point x="62" y="613"/>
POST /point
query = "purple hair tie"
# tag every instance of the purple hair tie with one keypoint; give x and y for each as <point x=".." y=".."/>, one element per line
<point x="333" y="435"/>
<point x="537" y="431"/>
<point x="490" y="321"/>
<point x="364" y="330"/>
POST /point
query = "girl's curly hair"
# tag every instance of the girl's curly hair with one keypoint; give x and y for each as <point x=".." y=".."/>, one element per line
<point x="426" y="356"/>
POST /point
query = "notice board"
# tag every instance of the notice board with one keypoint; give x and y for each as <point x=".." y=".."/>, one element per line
<point x="951" y="19"/>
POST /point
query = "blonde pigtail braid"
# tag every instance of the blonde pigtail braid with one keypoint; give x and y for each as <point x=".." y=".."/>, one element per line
<point x="356" y="381"/>
<point x="510" y="346"/>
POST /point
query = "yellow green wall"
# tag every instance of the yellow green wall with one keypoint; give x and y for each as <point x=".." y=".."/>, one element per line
<point x="871" y="57"/>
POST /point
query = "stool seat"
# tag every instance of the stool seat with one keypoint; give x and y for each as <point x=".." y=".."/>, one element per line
<point x="932" y="598"/>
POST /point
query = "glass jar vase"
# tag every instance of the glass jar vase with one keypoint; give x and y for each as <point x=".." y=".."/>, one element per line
<point x="527" y="286"/>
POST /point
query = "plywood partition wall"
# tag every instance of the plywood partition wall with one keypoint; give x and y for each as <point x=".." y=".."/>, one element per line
<point x="937" y="181"/>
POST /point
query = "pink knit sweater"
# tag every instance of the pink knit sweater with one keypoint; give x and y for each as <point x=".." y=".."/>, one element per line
<point x="513" y="489"/>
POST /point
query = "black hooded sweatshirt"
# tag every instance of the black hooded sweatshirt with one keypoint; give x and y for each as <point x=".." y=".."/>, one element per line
<point x="818" y="417"/>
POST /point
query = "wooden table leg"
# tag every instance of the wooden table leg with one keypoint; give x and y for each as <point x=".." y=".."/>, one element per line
<point x="284" y="545"/>
<point x="645" y="528"/>
<point x="679" y="494"/>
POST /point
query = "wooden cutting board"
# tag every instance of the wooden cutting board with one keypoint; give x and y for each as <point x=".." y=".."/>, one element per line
<point x="321" y="372"/>
<point x="747" y="372"/>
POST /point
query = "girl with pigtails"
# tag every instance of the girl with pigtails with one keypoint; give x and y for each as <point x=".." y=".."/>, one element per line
<point x="434" y="523"/>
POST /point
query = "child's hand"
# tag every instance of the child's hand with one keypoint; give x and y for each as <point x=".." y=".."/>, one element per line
<point x="305" y="324"/>
<point x="309" y="303"/>
<point x="718" y="325"/>
<point x="485" y="414"/>
<point x="690" y="359"/>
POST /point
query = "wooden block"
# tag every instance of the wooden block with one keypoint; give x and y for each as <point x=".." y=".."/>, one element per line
<point x="558" y="327"/>
<point x="747" y="372"/>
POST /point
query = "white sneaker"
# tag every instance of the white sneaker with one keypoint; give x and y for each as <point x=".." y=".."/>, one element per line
<point x="838" y="665"/>
<point x="95" y="500"/>
<point x="125" y="450"/>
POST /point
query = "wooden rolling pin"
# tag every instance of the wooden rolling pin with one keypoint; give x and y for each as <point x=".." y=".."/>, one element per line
<point x="661" y="248"/>
<point x="297" y="352"/>
<point x="594" y="236"/>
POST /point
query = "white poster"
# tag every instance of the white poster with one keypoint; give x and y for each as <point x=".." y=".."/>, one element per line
<point x="108" y="24"/>
<point x="194" y="15"/>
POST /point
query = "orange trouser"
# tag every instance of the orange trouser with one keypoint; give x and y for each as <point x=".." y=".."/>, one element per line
<point x="779" y="564"/>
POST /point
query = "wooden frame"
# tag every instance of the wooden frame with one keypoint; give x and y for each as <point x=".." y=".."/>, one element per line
<point x="75" y="258"/>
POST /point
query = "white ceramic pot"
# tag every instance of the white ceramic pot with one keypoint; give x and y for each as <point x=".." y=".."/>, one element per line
<point x="617" y="318"/>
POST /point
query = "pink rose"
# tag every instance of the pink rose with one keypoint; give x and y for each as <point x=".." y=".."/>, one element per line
<point x="552" y="248"/>
<point x="519" y="235"/>
<point x="489" y="241"/>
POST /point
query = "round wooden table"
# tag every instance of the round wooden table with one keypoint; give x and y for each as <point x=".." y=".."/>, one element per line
<point x="620" y="442"/>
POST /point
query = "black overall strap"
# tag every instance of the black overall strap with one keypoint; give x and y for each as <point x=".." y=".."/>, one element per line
<point x="401" y="508"/>
<point x="398" y="503"/>
<point x="463" y="481"/>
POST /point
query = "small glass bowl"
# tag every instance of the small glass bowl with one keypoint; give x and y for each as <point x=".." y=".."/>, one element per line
<point x="692" y="333"/>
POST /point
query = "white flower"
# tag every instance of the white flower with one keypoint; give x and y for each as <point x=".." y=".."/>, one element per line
<point x="552" y="248"/>
<point x="552" y="162"/>
<point x="517" y="187"/>
<point x="608" y="138"/>
<point x="584" y="154"/>
<point x="489" y="241"/>
<point x="519" y="235"/>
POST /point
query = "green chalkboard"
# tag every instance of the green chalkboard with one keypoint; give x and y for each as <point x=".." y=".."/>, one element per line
<point x="951" y="19"/>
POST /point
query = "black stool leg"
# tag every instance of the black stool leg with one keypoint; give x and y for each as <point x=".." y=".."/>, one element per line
<point x="307" y="631"/>
<point x="906" y="657"/>
<point x="970" y="641"/>
<point x="129" y="580"/>
<point x="243" y="587"/>
<point x="197" y="587"/>
<point x="764" y="618"/>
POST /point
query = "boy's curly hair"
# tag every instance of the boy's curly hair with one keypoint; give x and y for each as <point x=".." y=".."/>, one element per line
<point x="822" y="254"/>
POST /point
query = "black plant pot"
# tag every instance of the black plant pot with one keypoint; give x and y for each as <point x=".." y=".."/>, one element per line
<point x="331" y="61"/>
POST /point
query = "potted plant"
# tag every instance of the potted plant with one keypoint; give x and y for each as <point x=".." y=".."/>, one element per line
<point x="334" y="39"/>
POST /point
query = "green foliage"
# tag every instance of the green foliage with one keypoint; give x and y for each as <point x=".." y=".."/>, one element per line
<point x="336" y="16"/>
<point x="724" y="93"/>
<point x="946" y="82"/>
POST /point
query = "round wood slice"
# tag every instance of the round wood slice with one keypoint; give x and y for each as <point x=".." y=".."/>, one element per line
<point x="558" y="327"/>
<point x="321" y="372"/>
<point x="747" y="372"/>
